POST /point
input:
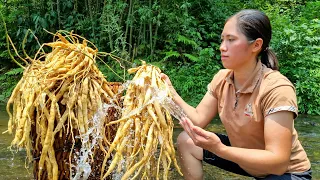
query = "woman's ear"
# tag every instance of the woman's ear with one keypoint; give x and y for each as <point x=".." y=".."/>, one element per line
<point x="257" y="45"/>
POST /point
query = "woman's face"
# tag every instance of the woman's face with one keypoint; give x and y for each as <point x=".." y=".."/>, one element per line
<point x="236" y="51"/>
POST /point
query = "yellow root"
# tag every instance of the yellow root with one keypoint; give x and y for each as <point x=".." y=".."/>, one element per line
<point x="151" y="127"/>
<point x="59" y="96"/>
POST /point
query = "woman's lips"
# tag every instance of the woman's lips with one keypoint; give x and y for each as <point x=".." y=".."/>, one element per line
<point x="224" y="57"/>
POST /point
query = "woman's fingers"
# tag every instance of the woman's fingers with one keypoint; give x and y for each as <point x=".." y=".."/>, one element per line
<point x="197" y="136"/>
<point x="189" y="128"/>
<point x="185" y="126"/>
<point x="197" y="130"/>
<point x="201" y="132"/>
<point x="202" y="138"/>
<point x="166" y="78"/>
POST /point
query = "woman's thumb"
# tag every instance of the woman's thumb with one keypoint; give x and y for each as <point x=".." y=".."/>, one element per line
<point x="165" y="78"/>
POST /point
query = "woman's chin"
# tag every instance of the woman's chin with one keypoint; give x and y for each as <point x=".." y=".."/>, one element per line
<point x="226" y="65"/>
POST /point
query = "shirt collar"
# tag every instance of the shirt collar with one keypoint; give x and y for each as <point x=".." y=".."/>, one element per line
<point x="252" y="81"/>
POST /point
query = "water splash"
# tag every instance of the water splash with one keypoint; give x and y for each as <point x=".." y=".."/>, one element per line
<point x="83" y="168"/>
<point x="168" y="103"/>
<point x="160" y="95"/>
<point x="175" y="110"/>
<point x="118" y="175"/>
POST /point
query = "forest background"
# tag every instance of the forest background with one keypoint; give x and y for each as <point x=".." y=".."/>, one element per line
<point x="181" y="37"/>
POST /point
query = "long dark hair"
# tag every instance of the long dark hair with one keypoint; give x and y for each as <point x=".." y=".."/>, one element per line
<point x="255" y="24"/>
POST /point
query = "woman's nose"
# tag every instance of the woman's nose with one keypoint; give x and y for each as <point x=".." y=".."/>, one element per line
<point x="223" y="46"/>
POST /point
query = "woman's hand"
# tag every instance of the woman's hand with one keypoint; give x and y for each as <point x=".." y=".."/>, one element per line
<point x="202" y="138"/>
<point x="171" y="88"/>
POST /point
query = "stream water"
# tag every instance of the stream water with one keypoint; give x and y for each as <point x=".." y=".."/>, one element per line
<point x="12" y="164"/>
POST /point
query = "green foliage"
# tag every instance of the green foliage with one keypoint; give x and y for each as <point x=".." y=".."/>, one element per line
<point x="180" y="36"/>
<point x="8" y="81"/>
<point x="296" y="42"/>
<point x="191" y="78"/>
<point x="187" y="41"/>
<point x="171" y="54"/>
<point x="14" y="72"/>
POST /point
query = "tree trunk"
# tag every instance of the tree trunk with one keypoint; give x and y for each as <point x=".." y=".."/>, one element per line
<point x="75" y="5"/>
<point x="110" y="34"/>
<point x="150" y="28"/>
<point x="29" y="17"/>
<point x="144" y="41"/>
<point x="155" y="38"/>
<point x="127" y="24"/>
<point x="58" y="13"/>
<point x="91" y="17"/>
<point x="86" y="6"/>
<point x="131" y="28"/>
<point x="105" y="20"/>
<point x="52" y="6"/>
<point x="138" y="39"/>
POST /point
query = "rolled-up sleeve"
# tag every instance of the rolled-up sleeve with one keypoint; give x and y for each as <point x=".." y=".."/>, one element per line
<point x="281" y="96"/>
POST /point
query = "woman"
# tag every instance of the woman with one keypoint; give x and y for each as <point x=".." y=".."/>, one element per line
<point x="256" y="104"/>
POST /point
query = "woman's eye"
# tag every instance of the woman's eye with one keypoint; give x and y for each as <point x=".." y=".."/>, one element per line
<point x="228" y="40"/>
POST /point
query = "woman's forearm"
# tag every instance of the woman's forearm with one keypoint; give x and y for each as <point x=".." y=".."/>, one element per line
<point x="190" y="111"/>
<point x="256" y="161"/>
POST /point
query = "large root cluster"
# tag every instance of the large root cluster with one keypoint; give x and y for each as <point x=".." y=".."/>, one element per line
<point x="143" y="143"/>
<point x="54" y="115"/>
<point x="53" y="103"/>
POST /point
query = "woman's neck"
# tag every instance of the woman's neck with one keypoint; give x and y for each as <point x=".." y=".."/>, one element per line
<point x="242" y="74"/>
